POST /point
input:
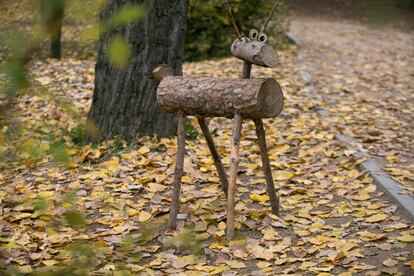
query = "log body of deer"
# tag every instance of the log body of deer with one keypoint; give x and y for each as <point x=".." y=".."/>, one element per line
<point x="216" y="97"/>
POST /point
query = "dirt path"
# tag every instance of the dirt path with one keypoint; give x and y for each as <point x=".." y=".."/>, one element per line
<point x="364" y="76"/>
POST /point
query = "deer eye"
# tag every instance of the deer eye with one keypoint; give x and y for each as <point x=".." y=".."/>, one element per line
<point x="262" y="37"/>
<point x="253" y="34"/>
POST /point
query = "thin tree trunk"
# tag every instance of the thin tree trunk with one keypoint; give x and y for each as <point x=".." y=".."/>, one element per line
<point x="52" y="13"/>
<point x="56" y="36"/>
<point x="124" y="101"/>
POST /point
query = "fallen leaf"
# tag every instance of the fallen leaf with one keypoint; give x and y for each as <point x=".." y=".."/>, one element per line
<point x="144" y="150"/>
<point x="390" y="262"/>
<point x="282" y="175"/>
<point x="50" y="262"/>
<point x="376" y="218"/>
<point x="269" y="234"/>
<point x="144" y="216"/>
<point x="259" y="198"/>
<point x="405" y="237"/>
<point x="235" y="264"/>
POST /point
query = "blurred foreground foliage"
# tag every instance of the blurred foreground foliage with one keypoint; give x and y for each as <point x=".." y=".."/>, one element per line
<point x="28" y="142"/>
<point x="210" y="33"/>
<point x="21" y="43"/>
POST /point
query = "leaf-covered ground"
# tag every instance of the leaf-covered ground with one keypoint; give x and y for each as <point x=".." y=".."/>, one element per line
<point x="364" y="77"/>
<point x="107" y="211"/>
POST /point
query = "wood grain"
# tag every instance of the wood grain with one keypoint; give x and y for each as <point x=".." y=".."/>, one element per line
<point x="216" y="97"/>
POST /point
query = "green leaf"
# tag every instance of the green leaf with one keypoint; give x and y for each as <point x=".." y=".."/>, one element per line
<point x="59" y="152"/>
<point x="74" y="218"/>
<point x="118" y="52"/>
<point x="127" y="14"/>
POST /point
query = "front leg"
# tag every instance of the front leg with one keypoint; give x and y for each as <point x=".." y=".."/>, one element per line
<point x="178" y="173"/>
<point x="234" y="163"/>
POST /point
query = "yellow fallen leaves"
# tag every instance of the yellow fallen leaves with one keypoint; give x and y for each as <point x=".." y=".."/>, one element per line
<point x="376" y="218"/>
<point x="134" y="267"/>
<point x="144" y="216"/>
<point x="410" y="264"/>
<point x="235" y="264"/>
<point x="21" y="216"/>
<point x="132" y="212"/>
<point x="155" y="187"/>
<point x="222" y="226"/>
<point x="87" y="153"/>
<point x="368" y="236"/>
<point x="186" y="179"/>
<point x="406" y="237"/>
<point x="362" y="197"/>
<point x="259" y="198"/>
<point x="111" y="165"/>
<point x="364" y="194"/>
<point x="46" y="194"/>
<point x="50" y="262"/>
<point x="129" y="156"/>
<point x="317" y="181"/>
<point x="282" y="175"/>
<point x="270" y="234"/>
<point x="320" y="239"/>
<point x="260" y="252"/>
<point x="144" y="150"/>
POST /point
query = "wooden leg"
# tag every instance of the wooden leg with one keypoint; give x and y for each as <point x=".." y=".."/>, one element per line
<point x="234" y="163"/>
<point x="178" y="173"/>
<point x="261" y="138"/>
<point x="216" y="157"/>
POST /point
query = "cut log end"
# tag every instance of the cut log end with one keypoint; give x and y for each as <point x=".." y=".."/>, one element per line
<point x="269" y="56"/>
<point x="271" y="98"/>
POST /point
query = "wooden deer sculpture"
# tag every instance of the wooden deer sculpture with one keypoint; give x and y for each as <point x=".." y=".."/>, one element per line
<point x="239" y="99"/>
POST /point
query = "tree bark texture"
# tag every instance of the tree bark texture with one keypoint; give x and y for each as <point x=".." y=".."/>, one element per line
<point x="124" y="101"/>
<point x="253" y="51"/>
<point x="214" y="97"/>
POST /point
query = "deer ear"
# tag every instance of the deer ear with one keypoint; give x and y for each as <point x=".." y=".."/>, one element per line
<point x="162" y="71"/>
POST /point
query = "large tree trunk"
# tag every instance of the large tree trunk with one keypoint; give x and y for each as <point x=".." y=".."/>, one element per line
<point x="124" y="101"/>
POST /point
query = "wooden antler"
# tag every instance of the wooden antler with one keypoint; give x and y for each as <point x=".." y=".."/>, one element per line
<point x="272" y="12"/>
<point x="233" y="19"/>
